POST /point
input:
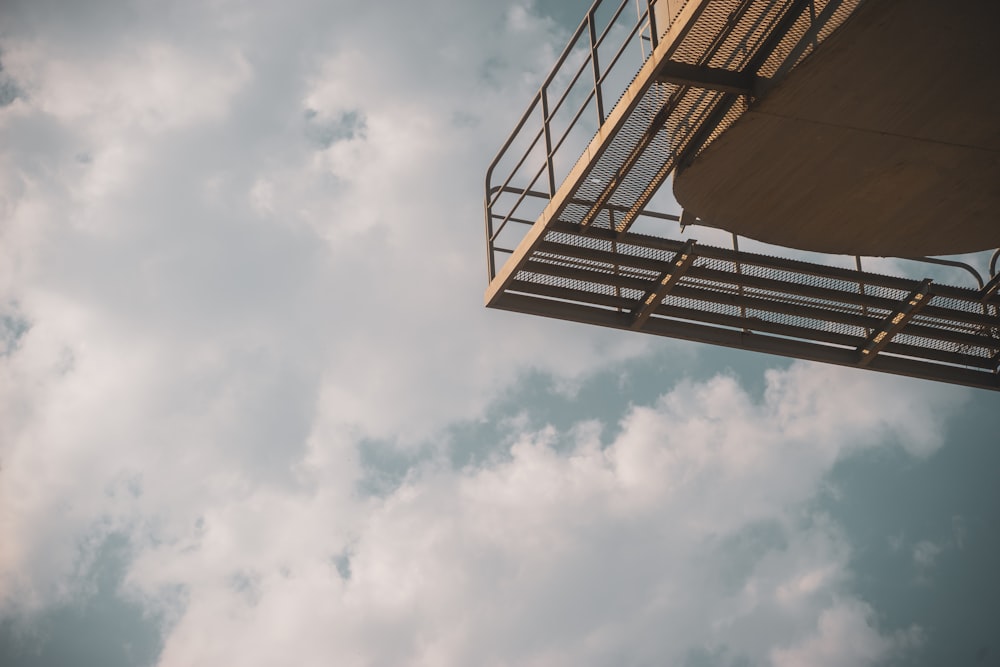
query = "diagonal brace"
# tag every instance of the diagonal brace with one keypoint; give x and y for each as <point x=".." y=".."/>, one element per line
<point x="679" y="265"/>
<point x="894" y="323"/>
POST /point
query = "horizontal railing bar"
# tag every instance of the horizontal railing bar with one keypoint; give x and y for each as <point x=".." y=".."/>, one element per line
<point x="538" y="135"/>
<point x="538" y="174"/>
<point x="582" y="202"/>
<point x="948" y="262"/>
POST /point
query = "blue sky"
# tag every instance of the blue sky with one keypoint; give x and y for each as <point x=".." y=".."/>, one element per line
<point x="253" y="412"/>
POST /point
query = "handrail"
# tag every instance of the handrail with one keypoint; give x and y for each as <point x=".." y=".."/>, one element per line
<point x="593" y="39"/>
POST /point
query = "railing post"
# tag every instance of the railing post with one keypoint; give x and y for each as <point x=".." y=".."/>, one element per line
<point x="861" y="291"/>
<point x="490" y="262"/>
<point x="596" y="67"/>
<point x="548" y="140"/>
<point x="654" y="33"/>
<point x="739" y="277"/>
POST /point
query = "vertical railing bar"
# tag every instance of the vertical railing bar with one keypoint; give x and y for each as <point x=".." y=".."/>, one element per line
<point x="642" y="35"/>
<point x="491" y="269"/>
<point x="861" y="290"/>
<point x="812" y="22"/>
<point x="993" y="272"/>
<point x="614" y="254"/>
<point x="654" y="32"/>
<point x="548" y="141"/>
<point x="739" y="274"/>
<point x="596" y="67"/>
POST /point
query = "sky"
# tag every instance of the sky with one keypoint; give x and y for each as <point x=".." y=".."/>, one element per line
<point x="252" y="410"/>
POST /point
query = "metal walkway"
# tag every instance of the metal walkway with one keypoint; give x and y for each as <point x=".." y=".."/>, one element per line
<point x="640" y="92"/>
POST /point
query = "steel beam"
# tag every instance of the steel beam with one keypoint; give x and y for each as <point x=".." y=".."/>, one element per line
<point x="747" y="341"/>
<point x="679" y="265"/>
<point x="611" y="302"/>
<point x="894" y="323"/>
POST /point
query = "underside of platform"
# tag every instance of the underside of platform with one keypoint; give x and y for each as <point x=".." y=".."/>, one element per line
<point x="885" y="141"/>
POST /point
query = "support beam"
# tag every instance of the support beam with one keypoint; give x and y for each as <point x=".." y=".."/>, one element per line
<point x="727" y="100"/>
<point x="894" y="323"/>
<point x="707" y="78"/>
<point x="990" y="288"/>
<point x="754" y="342"/>
<point x="678" y="266"/>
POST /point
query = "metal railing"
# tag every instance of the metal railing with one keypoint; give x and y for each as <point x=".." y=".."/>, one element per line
<point x="607" y="27"/>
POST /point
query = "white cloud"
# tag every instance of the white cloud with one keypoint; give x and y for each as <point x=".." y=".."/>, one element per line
<point x="185" y="319"/>
<point x="149" y="87"/>
<point x="684" y="533"/>
<point x="845" y="638"/>
<point x="925" y="553"/>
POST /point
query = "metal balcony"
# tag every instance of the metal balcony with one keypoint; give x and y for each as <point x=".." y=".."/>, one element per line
<point x="635" y="96"/>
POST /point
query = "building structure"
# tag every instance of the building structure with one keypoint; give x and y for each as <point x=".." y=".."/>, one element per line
<point x="853" y="128"/>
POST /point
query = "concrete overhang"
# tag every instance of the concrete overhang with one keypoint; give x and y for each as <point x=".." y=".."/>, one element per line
<point x="884" y="141"/>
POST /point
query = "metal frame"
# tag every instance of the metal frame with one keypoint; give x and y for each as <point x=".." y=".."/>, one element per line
<point x="578" y="259"/>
